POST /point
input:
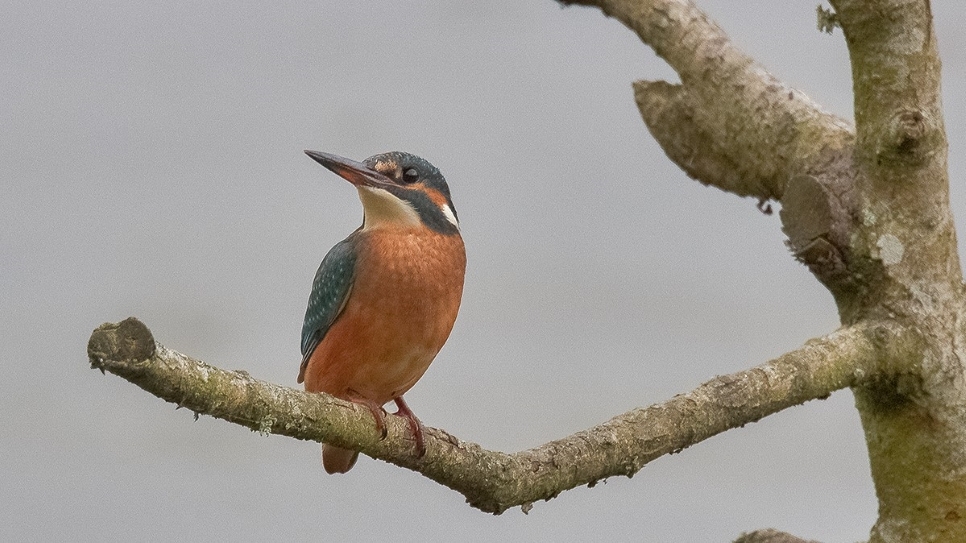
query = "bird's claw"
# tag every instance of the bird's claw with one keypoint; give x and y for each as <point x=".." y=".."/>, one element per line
<point x="378" y="413"/>
<point x="414" y="425"/>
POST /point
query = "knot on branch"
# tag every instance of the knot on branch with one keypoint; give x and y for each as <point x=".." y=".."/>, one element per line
<point x="904" y="140"/>
<point x="129" y="340"/>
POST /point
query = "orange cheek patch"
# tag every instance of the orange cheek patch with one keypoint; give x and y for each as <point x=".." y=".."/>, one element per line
<point x="436" y="196"/>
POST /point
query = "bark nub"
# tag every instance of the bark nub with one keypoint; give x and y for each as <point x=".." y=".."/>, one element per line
<point x="129" y="339"/>
<point x="817" y="223"/>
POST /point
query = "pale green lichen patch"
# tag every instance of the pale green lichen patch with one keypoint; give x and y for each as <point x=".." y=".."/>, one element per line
<point x="890" y="249"/>
<point x="265" y="425"/>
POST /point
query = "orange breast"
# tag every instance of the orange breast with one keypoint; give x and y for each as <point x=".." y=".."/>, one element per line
<point x="404" y="300"/>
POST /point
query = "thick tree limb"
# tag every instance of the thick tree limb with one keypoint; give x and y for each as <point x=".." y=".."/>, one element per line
<point x="729" y="123"/>
<point x="906" y="255"/>
<point x="895" y="75"/>
<point x="495" y="481"/>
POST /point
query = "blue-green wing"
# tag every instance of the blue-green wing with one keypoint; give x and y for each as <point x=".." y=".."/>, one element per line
<point x="330" y="290"/>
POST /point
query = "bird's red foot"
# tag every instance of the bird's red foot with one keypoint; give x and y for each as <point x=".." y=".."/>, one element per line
<point x="414" y="425"/>
<point x="377" y="411"/>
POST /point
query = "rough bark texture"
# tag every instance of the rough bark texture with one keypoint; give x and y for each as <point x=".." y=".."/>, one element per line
<point x="770" y="536"/>
<point x="866" y="209"/>
<point x="905" y="247"/>
<point x="494" y="481"/>
<point x="729" y="123"/>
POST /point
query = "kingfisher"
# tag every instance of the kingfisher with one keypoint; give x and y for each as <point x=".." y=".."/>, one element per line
<point x="385" y="299"/>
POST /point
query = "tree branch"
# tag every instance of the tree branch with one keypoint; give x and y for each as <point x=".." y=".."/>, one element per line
<point x="494" y="481"/>
<point x="895" y="75"/>
<point x="770" y="536"/>
<point x="729" y="123"/>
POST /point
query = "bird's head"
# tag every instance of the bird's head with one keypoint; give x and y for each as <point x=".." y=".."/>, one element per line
<point x="397" y="190"/>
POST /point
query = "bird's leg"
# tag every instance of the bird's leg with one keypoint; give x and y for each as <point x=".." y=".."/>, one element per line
<point x="377" y="411"/>
<point x="414" y="425"/>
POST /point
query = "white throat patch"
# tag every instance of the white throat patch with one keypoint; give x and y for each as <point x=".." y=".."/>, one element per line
<point x="450" y="216"/>
<point x="380" y="208"/>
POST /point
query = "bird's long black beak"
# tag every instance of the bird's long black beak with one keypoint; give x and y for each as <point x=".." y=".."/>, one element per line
<point x="354" y="172"/>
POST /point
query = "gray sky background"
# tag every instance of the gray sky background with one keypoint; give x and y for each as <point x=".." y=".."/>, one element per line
<point x="151" y="165"/>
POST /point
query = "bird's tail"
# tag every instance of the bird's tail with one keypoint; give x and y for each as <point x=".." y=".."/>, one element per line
<point x="338" y="460"/>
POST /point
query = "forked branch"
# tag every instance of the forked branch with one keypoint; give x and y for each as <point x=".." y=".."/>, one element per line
<point x="729" y="123"/>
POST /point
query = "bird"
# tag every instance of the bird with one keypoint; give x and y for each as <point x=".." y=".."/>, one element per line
<point x="385" y="299"/>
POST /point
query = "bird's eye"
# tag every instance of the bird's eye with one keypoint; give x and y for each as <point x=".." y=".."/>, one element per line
<point x="410" y="175"/>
